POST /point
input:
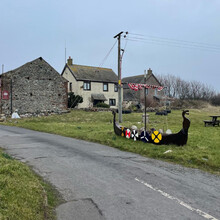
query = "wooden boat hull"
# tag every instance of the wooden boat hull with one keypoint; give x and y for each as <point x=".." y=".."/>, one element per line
<point x="179" y="138"/>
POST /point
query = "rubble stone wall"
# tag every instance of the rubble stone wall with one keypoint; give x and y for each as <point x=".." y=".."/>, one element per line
<point x="36" y="87"/>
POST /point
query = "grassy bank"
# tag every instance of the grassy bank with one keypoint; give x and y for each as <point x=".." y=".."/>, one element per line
<point x="23" y="195"/>
<point x="202" y="150"/>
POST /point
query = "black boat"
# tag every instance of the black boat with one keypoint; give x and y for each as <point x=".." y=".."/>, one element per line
<point x="156" y="137"/>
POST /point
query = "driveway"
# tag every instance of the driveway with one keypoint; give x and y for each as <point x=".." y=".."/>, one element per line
<point x="100" y="182"/>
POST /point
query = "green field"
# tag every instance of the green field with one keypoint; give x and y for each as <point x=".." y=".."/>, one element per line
<point x="23" y="195"/>
<point x="202" y="150"/>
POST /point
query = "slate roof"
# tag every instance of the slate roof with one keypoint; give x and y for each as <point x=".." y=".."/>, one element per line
<point x="137" y="79"/>
<point x="94" y="74"/>
<point x="38" y="65"/>
<point x="130" y="95"/>
<point x="98" y="97"/>
<point x="134" y="79"/>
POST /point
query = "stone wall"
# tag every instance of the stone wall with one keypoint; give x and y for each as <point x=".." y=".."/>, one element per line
<point x="36" y="87"/>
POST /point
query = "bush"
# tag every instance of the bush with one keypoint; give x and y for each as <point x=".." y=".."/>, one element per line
<point x="216" y="100"/>
<point x="133" y="107"/>
<point x="74" y="100"/>
<point x="189" y="103"/>
<point x="150" y="102"/>
<point x="102" y="105"/>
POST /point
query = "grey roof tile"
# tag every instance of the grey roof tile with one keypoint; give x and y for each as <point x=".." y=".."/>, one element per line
<point x="38" y="65"/>
<point x="90" y="73"/>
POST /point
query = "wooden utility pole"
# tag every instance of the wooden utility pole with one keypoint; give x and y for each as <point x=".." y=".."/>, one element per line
<point x="118" y="36"/>
<point x="11" y="96"/>
<point x="145" y="80"/>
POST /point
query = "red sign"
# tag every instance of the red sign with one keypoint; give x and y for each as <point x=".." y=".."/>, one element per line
<point x="5" y="95"/>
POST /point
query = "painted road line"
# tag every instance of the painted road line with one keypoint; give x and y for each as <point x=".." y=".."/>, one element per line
<point x="203" y="214"/>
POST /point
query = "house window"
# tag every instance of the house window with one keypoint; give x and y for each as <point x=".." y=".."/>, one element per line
<point x="116" y="88"/>
<point x="105" y="87"/>
<point x="112" y="102"/>
<point x="87" y="86"/>
<point x="146" y="91"/>
<point x="71" y="87"/>
<point x="155" y="92"/>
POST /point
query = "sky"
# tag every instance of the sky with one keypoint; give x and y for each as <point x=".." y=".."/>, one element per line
<point x="175" y="37"/>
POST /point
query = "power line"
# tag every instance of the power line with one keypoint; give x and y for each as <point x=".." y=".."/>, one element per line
<point x="173" y="44"/>
<point x="126" y="42"/>
<point x="177" y="43"/>
<point x="105" y="58"/>
<point x="175" y="40"/>
<point x="136" y="34"/>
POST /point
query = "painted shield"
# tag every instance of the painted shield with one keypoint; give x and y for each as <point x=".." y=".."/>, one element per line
<point x="134" y="135"/>
<point x="128" y="133"/>
<point x="156" y="137"/>
<point x="145" y="137"/>
<point x="122" y="131"/>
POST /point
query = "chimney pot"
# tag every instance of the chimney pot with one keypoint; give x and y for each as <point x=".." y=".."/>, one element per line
<point x="70" y="61"/>
<point x="149" y="71"/>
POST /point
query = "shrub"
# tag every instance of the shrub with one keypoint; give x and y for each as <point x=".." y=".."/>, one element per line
<point x="150" y="102"/>
<point x="189" y="103"/>
<point x="102" y="105"/>
<point x="216" y="100"/>
<point x="73" y="100"/>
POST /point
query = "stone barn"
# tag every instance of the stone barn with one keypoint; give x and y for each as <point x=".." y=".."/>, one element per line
<point x="34" y="88"/>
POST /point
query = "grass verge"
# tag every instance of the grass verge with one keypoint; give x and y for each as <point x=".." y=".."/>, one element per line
<point x="202" y="150"/>
<point x="24" y="195"/>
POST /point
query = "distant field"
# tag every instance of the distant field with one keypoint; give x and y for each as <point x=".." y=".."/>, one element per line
<point x="202" y="150"/>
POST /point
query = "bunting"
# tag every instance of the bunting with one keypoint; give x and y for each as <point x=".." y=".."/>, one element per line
<point x="137" y="86"/>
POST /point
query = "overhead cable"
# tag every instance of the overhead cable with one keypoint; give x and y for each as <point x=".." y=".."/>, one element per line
<point x="174" y="40"/>
<point x="105" y="58"/>
<point x="173" y="44"/>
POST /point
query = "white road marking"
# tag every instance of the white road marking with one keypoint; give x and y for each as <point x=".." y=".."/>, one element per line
<point x="205" y="215"/>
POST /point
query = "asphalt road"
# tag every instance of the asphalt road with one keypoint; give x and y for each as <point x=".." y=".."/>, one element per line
<point x="99" y="182"/>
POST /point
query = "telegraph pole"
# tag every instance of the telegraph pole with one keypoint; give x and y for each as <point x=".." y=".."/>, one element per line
<point x="11" y="96"/>
<point x="145" y="80"/>
<point x="118" y="36"/>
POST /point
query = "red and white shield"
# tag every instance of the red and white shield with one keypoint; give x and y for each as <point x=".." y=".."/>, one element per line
<point x="128" y="133"/>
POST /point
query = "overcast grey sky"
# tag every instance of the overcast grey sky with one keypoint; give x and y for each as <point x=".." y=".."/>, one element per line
<point x="30" y="29"/>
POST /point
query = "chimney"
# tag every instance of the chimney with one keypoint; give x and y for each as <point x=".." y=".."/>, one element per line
<point x="70" y="61"/>
<point x="149" y="72"/>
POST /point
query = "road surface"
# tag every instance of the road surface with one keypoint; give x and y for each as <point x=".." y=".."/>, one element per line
<point x="100" y="182"/>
